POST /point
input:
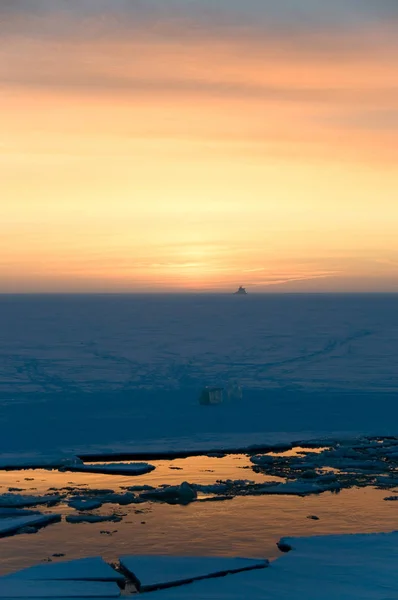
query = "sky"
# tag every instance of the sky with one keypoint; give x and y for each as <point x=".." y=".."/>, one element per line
<point x="197" y="145"/>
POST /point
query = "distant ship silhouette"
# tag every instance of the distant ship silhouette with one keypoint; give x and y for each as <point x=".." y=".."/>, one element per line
<point x="241" y="291"/>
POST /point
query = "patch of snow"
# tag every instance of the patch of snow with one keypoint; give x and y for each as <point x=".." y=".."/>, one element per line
<point x="152" y="572"/>
<point x="83" y="569"/>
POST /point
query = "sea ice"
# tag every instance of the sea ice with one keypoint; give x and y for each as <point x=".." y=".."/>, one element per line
<point x="113" y="468"/>
<point x="83" y="569"/>
<point x="343" y="567"/>
<point x="299" y="488"/>
<point x="21" y="588"/>
<point x="12" y="524"/>
<point x="37" y="462"/>
<point x="20" y="500"/>
<point x="152" y="572"/>
<point x="84" y="503"/>
<point x="310" y="366"/>
<point x="16" y="512"/>
<point x="92" y="518"/>
<point x="173" y="494"/>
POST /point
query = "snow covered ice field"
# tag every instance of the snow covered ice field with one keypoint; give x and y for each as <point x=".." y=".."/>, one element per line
<point x="123" y="374"/>
<point x="92" y="373"/>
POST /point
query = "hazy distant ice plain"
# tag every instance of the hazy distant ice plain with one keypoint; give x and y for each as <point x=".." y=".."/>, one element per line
<point x="128" y="369"/>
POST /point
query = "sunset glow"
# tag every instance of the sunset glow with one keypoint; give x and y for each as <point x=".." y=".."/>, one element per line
<point x="198" y="148"/>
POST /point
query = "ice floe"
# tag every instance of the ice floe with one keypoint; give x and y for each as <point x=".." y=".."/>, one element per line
<point x="92" y="518"/>
<point x="84" y="503"/>
<point x="37" y="462"/>
<point x="83" y="569"/>
<point x="14" y="524"/>
<point x="21" y="588"/>
<point x="152" y="572"/>
<point x="113" y="468"/>
<point x="16" y="512"/>
<point x="176" y="494"/>
<point x="324" y="567"/>
<point x="21" y="500"/>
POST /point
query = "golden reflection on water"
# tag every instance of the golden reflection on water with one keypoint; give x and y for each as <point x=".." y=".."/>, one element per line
<point x="245" y="526"/>
<point x="299" y="451"/>
<point x="195" y="469"/>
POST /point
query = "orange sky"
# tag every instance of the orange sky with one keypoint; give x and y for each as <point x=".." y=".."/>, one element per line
<point x="174" y="153"/>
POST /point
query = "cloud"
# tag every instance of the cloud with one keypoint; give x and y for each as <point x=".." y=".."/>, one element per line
<point x="311" y="21"/>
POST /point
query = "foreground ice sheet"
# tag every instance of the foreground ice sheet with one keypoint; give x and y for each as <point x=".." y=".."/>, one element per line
<point x="346" y="567"/>
<point x="84" y="569"/>
<point x="15" y="588"/>
<point x="153" y="572"/>
<point x="12" y="524"/>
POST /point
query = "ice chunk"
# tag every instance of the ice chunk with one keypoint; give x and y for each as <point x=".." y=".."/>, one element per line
<point x="140" y="488"/>
<point x="84" y="503"/>
<point x="173" y="494"/>
<point x="115" y="498"/>
<point x="140" y="468"/>
<point x="211" y="395"/>
<point x="84" y="569"/>
<point x="152" y="572"/>
<point x="15" y="588"/>
<point x="234" y="391"/>
<point x="20" y="500"/>
<point x="16" y="512"/>
<point x="12" y="524"/>
<point x="296" y="488"/>
<point x="92" y="518"/>
<point x="38" y="462"/>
